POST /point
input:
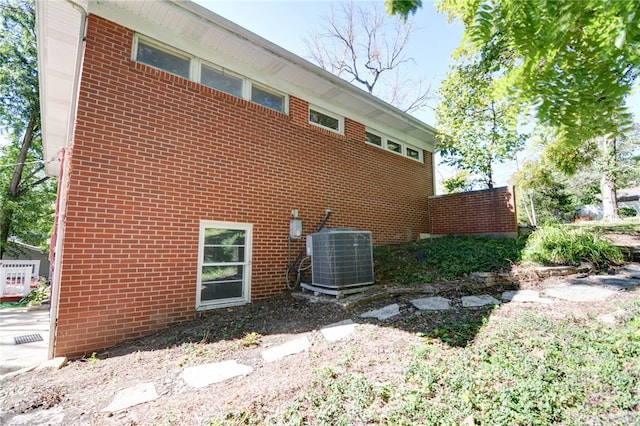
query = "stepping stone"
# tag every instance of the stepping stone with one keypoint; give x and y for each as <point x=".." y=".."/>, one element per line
<point x="432" y="304"/>
<point x="612" y="317"/>
<point x="131" y="396"/>
<point x="51" y="416"/>
<point x="524" y="296"/>
<point x="579" y="293"/>
<point x="615" y="282"/>
<point x="338" y="330"/>
<point x="383" y="313"/>
<point x="477" y="301"/>
<point x="56" y="363"/>
<point x="206" y="374"/>
<point x="289" y="348"/>
<point x="632" y="270"/>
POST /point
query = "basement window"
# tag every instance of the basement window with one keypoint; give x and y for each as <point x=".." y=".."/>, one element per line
<point x="326" y="120"/>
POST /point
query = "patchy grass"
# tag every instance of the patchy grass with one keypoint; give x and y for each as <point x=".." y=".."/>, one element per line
<point x="629" y="224"/>
<point x="444" y="258"/>
<point x="533" y="370"/>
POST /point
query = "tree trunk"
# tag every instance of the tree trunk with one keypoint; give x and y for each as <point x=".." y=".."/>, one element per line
<point x="13" y="190"/>
<point x="608" y="179"/>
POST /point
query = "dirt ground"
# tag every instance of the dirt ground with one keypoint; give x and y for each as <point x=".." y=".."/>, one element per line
<point x="379" y="349"/>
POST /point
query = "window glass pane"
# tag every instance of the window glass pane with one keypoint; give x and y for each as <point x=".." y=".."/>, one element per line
<point x="212" y="274"/>
<point x="267" y="99"/>
<point x="223" y="254"/>
<point x="373" y="139"/>
<point x="394" y="146"/>
<point x="166" y="61"/>
<point x="324" y="120"/>
<point x="413" y="153"/>
<point x="223" y="237"/>
<point x="221" y="81"/>
<point x="220" y="291"/>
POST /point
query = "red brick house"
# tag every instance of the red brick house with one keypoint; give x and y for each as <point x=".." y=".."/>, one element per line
<point x="182" y="142"/>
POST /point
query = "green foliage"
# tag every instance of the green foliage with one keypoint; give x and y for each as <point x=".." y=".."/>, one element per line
<point x="476" y="129"/>
<point x="39" y="294"/>
<point x="627" y="212"/>
<point x="556" y="245"/>
<point x="575" y="61"/>
<point x="444" y="258"/>
<point x="402" y="8"/>
<point x="461" y="181"/>
<point x="26" y="195"/>
<point x="530" y="370"/>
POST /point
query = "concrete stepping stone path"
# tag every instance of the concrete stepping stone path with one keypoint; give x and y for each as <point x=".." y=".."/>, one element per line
<point x="382" y="314"/>
<point x="524" y="296"/>
<point x="291" y="347"/>
<point x="338" y="330"/>
<point x="579" y="292"/>
<point x="478" y="301"/>
<point x="615" y="282"/>
<point x="206" y="374"/>
<point x="134" y="395"/>
<point x="432" y="304"/>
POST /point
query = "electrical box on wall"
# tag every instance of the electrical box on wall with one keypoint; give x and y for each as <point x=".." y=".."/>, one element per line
<point x="295" y="229"/>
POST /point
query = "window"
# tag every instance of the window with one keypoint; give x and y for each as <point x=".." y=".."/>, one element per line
<point x="165" y="58"/>
<point x="220" y="80"/>
<point x="224" y="272"/>
<point x="325" y="120"/>
<point x="380" y="140"/>
<point x="162" y="59"/>
<point x="373" y="139"/>
<point x="412" y="153"/>
<point x="394" y="146"/>
<point x="267" y="99"/>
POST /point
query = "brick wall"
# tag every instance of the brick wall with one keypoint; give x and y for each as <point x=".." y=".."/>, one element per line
<point x="155" y="154"/>
<point x="491" y="211"/>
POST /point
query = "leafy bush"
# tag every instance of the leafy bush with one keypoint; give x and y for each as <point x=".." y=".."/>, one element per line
<point x="627" y="212"/>
<point x="444" y="258"/>
<point x="558" y="245"/>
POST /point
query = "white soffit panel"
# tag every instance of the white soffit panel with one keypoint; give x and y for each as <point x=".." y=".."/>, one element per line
<point x="58" y="27"/>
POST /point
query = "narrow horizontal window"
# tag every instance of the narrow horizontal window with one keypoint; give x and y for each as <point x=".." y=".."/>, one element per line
<point x="373" y="139"/>
<point x="267" y="99"/>
<point x="324" y="120"/>
<point x="412" y="153"/>
<point x="394" y="146"/>
<point x="222" y="81"/>
<point x="162" y="59"/>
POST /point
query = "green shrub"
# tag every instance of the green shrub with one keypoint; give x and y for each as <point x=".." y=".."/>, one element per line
<point x="627" y="212"/>
<point x="444" y="258"/>
<point x="559" y="245"/>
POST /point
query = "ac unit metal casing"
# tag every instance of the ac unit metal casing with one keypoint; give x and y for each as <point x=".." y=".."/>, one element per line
<point x="341" y="261"/>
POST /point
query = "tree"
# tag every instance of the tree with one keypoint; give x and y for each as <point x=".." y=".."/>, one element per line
<point x="476" y="130"/>
<point x="575" y="62"/>
<point x="461" y="181"/>
<point x="363" y="45"/>
<point x="26" y="194"/>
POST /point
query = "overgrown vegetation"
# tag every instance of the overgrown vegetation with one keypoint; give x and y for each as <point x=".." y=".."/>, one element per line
<point x="559" y="245"/>
<point x="444" y="258"/>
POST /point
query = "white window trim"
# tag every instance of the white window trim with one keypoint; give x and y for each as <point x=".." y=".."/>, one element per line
<point x="195" y="67"/>
<point x="403" y="146"/>
<point x="323" y="111"/>
<point x="246" y="289"/>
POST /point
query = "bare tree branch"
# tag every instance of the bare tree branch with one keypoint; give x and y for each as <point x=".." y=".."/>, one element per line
<point x="361" y="44"/>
